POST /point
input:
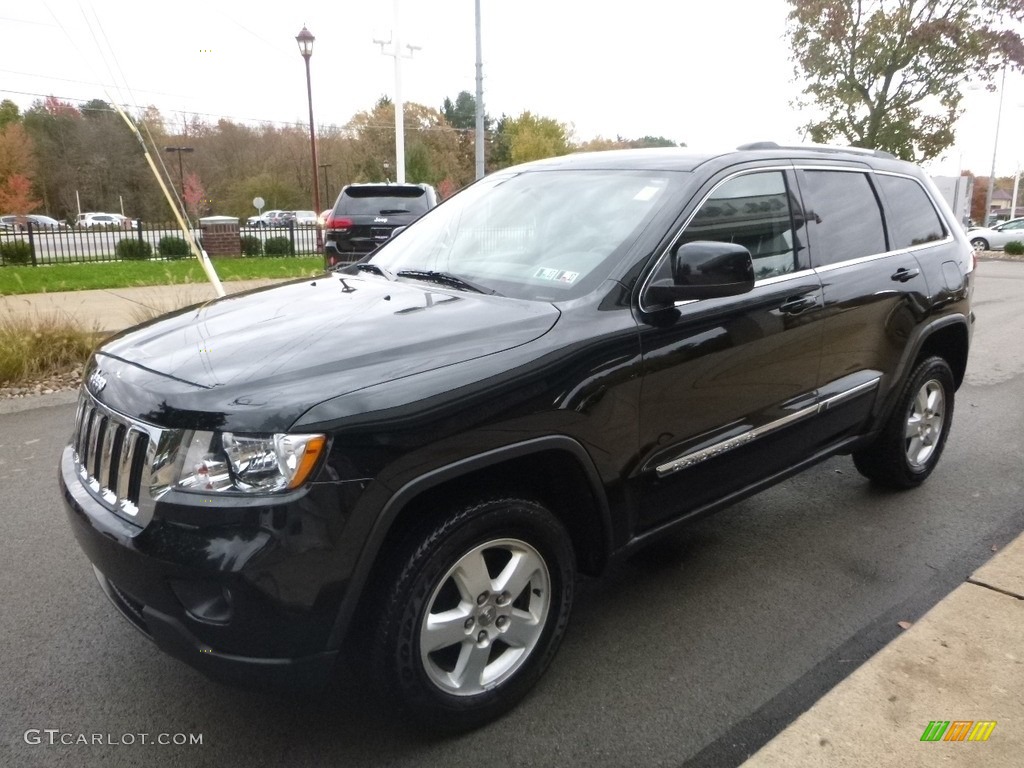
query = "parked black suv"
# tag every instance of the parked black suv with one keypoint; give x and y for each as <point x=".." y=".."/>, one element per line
<point x="410" y="459"/>
<point x="366" y="215"/>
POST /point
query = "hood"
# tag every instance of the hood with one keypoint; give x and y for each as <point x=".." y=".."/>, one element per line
<point x="256" y="361"/>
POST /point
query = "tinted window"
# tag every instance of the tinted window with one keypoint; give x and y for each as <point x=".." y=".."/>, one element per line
<point x="843" y="218"/>
<point x="381" y="200"/>
<point x="753" y="211"/>
<point x="913" y="219"/>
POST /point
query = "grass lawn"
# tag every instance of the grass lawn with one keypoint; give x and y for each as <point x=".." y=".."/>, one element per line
<point x="123" y="274"/>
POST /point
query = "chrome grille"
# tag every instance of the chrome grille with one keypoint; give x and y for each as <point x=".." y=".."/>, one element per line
<point x="110" y="455"/>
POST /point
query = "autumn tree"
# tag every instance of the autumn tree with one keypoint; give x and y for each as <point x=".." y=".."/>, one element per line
<point x="432" y="150"/>
<point x="194" y="195"/>
<point x="16" y="195"/>
<point x="889" y="74"/>
<point x="16" y="151"/>
<point x="532" y="137"/>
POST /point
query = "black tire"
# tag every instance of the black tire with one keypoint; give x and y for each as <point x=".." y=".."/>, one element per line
<point x="897" y="459"/>
<point x="979" y="244"/>
<point x="439" y="690"/>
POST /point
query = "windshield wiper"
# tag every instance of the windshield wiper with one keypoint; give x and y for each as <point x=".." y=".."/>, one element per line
<point x="393" y="210"/>
<point x="446" y="278"/>
<point x="376" y="269"/>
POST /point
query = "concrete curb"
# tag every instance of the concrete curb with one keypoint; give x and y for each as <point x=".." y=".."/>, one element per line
<point x="962" y="661"/>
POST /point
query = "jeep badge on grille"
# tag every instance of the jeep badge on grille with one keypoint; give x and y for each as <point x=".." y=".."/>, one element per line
<point x="97" y="381"/>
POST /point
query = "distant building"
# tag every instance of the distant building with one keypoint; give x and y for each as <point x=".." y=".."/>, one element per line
<point x="957" y="191"/>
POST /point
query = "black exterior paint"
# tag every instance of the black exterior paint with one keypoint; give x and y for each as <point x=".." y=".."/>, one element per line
<point x="419" y="386"/>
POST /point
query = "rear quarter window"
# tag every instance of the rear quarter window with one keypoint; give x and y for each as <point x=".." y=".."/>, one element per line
<point x="912" y="217"/>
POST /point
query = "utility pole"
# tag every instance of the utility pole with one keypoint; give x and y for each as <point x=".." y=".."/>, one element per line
<point x="181" y="169"/>
<point x="396" y="51"/>
<point x="327" y="186"/>
<point x="995" y="148"/>
<point x="479" y="99"/>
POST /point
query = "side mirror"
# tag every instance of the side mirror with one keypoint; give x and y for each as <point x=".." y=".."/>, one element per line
<point x="705" y="270"/>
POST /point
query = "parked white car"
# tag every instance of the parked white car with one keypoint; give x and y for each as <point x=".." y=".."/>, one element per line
<point x="265" y="219"/>
<point x="305" y="218"/>
<point x="995" y="238"/>
<point x="113" y="220"/>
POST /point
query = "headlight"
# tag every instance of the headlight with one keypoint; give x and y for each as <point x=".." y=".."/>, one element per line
<point x="226" y="461"/>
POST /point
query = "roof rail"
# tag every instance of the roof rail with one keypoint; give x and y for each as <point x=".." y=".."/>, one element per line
<point x="818" y="148"/>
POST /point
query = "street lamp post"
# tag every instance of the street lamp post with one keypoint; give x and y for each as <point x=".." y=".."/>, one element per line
<point x="181" y="170"/>
<point x="327" y="186"/>
<point x="305" y="40"/>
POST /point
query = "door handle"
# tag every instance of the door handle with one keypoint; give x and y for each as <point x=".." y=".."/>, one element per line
<point x="903" y="274"/>
<point x="797" y="304"/>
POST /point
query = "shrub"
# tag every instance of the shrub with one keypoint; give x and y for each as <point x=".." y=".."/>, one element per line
<point x="16" y="252"/>
<point x="40" y="346"/>
<point x="130" y="249"/>
<point x="252" y="245"/>
<point x="171" y="247"/>
<point x="278" y="246"/>
<point x="1015" y="248"/>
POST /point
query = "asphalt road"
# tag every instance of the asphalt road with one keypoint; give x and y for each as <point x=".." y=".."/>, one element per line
<point x="694" y="652"/>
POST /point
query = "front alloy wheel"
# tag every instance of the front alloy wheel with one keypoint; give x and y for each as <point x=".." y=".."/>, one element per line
<point x="474" y="609"/>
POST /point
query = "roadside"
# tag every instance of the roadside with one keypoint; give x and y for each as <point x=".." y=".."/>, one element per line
<point x="948" y="690"/>
<point x="102" y="313"/>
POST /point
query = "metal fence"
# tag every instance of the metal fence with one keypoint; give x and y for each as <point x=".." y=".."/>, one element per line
<point x="70" y="245"/>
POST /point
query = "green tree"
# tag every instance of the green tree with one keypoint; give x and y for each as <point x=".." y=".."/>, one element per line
<point x="652" y="141"/>
<point x="9" y="113"/>
<point x="532" y="137"/>
<point x="888" y="74"/>
<point x="432" y="150"/>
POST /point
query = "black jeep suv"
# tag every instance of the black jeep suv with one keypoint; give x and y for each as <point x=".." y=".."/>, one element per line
<point x="412" y="458"/>
<point x="366" y="215"/>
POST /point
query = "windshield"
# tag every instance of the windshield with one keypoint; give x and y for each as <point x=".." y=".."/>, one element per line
<point x="545" y="235"/>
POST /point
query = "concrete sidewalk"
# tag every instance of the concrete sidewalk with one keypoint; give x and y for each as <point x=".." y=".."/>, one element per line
<point x="962" y="661"/>
<point x="115" y="309"/>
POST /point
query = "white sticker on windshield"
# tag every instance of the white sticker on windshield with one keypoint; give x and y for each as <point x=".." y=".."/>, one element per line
<point x="558" y="275"/>
<point x="646" y="193"/>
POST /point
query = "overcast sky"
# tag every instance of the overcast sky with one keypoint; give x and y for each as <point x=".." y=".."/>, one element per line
<point x="711" y="75"/>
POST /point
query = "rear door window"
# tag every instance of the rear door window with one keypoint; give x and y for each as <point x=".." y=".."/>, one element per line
<point x="843" y="216"/>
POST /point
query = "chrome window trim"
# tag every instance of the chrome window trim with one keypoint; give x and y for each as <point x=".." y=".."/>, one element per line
<point x="897" y="251"/>
<point x="767" y="281"/>
<point x="696" y="457"/>
<point x="668" y="248"/>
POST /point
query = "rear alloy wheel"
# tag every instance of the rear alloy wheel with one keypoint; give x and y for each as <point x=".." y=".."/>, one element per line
<point x="980" y="244"/>
<point x="477" y="610"/>
<point x="909" y="446"/>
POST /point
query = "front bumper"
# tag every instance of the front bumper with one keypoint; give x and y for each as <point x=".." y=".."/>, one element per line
<point x="241" y="602"/>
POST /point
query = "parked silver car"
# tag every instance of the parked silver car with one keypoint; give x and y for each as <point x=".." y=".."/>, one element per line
<point x="995" y="238"/>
